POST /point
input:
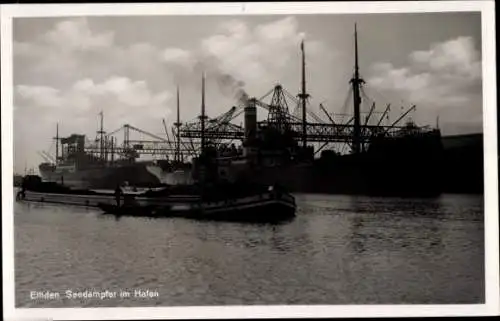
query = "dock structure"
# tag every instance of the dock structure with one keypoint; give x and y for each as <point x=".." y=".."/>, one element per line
<point x="190" y="138"/>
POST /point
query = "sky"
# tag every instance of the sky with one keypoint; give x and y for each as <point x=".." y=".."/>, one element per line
<point x="68" y="70"/>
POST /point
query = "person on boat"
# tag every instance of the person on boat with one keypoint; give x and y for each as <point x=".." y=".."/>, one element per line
<point x="118" y="194"/>
<point x="22" y="193"/>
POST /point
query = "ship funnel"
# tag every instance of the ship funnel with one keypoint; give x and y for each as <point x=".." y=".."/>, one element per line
<point x="250" y="121"/>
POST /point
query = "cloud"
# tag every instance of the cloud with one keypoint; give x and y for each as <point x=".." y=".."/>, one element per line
<point x="44" y="96"/>
<point x="443" y="81"/>
<point x="249" y="55"/>
<point x="457" y="56"/>
<point x="66" y="37"/>
<point x="178" y="56"/>
<point x="71" y="51"/>
<point x="116" y="95"/>
<point x="253" y="54"/>
<point x="257" y="56"/>
<point x="76" y="35"/>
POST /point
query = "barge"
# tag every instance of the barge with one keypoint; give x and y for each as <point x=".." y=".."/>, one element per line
<point x="244" y="204"/>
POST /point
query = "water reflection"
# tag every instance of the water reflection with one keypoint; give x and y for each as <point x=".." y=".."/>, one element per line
<point x="385" y="226"/>
<point x="357" y="240"/>
<point x="338" y="250"/>
<point x="410" y="207"/>
<point x="279" y="242"/>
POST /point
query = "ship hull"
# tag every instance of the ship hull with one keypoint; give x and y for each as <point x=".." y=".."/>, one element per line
<point x="410" y="166"/>
<point x="405" y="166"/>
<point x="101" y="177"/>
<point x="178" y="177"/>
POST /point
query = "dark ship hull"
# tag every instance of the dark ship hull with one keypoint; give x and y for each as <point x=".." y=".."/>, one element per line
<point x="421" y="165"/>
<point x="463" y="158"/>
<point x="100" y="177"/>
<point x="402" y="166"/>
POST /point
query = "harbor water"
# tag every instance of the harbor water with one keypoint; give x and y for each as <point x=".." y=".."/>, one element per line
<point x="338" y="250"/>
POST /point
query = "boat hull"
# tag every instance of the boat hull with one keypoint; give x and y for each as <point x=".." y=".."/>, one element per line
<point x="97" y="199"/>
<point x="101" y="177"/>
<point x="269" y="207"/>
<point x="66" y="199"/>
<point x="262" y="211"/>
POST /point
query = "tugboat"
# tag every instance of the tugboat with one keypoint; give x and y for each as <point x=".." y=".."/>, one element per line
<point x="273" y="205"/>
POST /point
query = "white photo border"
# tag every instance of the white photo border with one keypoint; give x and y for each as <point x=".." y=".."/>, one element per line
<point x="487" y="9"/>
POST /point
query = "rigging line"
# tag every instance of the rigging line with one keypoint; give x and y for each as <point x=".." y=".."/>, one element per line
<point x="292" y="97"/>
<point x="285" y="103"/>
<point x="236" y="114"/>
<point x="115" y="131"/>
<point x="297" y="109"/>
<point x="316" y="117"/>
<point x="287" y="92"/>
<point x="379" y="94"/>
<point x="363" y="93"/>
<point x="346" y="100"/>
<point x="308" y="111"/>
<point x="51" y="145"/>
<point x="267" y="94"/>
<point x="367" y="102"/>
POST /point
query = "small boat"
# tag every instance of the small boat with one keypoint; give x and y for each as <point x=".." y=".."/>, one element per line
<point x="271" y="206"/>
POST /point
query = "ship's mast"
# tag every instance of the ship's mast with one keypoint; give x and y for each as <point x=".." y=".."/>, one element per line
<point x="178" y="133"/>
<point x="57" y="142"/>
<point x="112" y="149"/>
<point x="202" y="117"/>
<point x="303" y="96"/>
<point x="356" y="81"/>
<point x="101" y="132"/>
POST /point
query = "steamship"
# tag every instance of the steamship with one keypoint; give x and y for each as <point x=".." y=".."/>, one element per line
<point x="79" y="168"/>
<point x="406" y="160"/>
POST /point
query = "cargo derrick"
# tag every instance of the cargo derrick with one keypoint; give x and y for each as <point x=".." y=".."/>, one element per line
<point x="355" y="133"/>
<point x="220" y="129"/>
<point x="130" y="149"/>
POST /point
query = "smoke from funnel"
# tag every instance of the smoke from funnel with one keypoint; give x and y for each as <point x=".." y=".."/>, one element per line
<point x="232" y="87"/>
<point x="228" y="85"/>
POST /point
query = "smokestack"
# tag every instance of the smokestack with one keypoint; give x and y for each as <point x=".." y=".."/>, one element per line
<point x="250" y="121"/>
